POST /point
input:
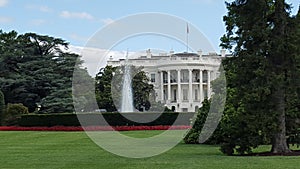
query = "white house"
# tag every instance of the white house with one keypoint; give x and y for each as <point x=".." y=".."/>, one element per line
<point x="181" y="80"/>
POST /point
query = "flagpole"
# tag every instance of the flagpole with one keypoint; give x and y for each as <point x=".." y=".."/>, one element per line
<point x="187" y="38"/>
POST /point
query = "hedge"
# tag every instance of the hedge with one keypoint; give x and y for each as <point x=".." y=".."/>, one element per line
<point x="92" y="128"/>
<point x="94" y="119"/>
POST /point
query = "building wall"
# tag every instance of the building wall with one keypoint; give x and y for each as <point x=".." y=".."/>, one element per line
<point x="181" y="81"/>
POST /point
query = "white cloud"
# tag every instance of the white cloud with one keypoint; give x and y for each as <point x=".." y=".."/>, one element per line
<point x="3" y="3"/>
<point x="76" y="15"/>
<point x="107" y="21"/>
<point x="38" y="22"/>
<point x="95" y="58"/>
<point x="5" y="19"/>
<point x="45" y="9"/>
<point x="41" y="8"/>
<point x="79" y="38"/>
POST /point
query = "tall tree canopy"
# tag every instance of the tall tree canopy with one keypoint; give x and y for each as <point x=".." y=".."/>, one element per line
<point x="262" y="77"/>
<point x="35" y="70"/>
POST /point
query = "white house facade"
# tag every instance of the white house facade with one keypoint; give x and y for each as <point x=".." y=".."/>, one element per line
<point x="181" y="80"/>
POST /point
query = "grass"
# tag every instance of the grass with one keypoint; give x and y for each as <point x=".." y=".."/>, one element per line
<point x="75" y="150"/>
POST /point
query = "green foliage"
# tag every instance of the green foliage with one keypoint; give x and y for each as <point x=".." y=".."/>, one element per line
<point x="142" y="91"/>
<point x="262" y="80"/>
<point x="294" y="137"/>
<point x="2" y="105"/>
<point x="113" y="119"/>
<point x="109" y="89"/>
<point x="13" y="113"/>
<point x="83" y="91"/>
<point x="103" y="88"/>
<point x="192" y="136"/>
<point x="166" y="109"/>
<point x="34" y="70"/>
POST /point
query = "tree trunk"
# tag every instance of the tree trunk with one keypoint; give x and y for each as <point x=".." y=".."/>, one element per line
<point x="279" y="144"/>
<point x="278" y="57"/>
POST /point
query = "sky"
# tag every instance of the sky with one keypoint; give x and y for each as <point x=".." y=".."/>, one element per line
<point x="78" y="21"/>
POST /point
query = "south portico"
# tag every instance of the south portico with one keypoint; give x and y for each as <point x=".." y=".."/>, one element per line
<point x="181" y="80"/>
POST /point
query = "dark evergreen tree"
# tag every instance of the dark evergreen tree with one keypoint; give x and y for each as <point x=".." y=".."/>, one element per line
<point x="2" y="105"/>
<point x="35" y="69"/>
<point x="262" y="75"/>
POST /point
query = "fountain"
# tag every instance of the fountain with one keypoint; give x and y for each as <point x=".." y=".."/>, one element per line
<point x="127" y="98"/>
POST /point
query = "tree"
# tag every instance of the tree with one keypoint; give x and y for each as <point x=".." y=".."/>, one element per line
<point x="143" y="92"/>
<point x="109" y="87"/>
<point x="103" y="88"/>
<point x="192" y="136"/>
<point x="261" y="75"/>
<point x="2" y="105"/>
<point x="13" y="113"/>
<point x="206" y="128"/>
<point x="36" y="70"/>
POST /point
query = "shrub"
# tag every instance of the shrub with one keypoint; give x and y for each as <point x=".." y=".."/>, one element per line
<point x="13" y="113"/>
<point x="192" y="137"/>
<point x="113" y="119"/>
<point x="92" y="128"/>
<point x="294" y="138"/>
<point x="2" y="105"/>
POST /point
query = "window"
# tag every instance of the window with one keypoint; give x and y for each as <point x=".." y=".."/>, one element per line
<point x="165" y="95"/>
<point x="185" y="76"/>
<point x="173" y="76"/>
<point x="185" y="94"/>
<point x="174" y="94"/>
<point x="205" y="76"/>
<point x="165" y="77"/>
<point x="195" y="76"/>
<point x="152" y="77"/>
<point x="196" y="94"/>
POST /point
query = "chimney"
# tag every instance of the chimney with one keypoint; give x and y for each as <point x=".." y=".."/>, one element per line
<point x="148" y="53"/>
<point x="223" y="51"/>
<point x="199" y="52"/>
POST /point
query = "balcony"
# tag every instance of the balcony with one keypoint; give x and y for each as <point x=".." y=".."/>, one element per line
<point x="173" y="81"/>
<point x="196" y="80"/>
<point x="184" y="80"/>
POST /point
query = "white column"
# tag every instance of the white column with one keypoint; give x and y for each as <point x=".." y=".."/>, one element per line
<point x="178" y="86"/>
<point x="169" y="86"/>
<point x="201" y="86"/>
<point x="208" y="84"/>
<point x="162" y="86"/>
<point x="190" y="86"/>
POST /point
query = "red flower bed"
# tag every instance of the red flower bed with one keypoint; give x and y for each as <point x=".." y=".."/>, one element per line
<point x="92" y="128"/>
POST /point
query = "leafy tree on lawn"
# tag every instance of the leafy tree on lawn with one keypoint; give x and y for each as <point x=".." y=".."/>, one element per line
<point x="263" y="75"/>
<point x="206" y="128"/>
<point x="83" y="95"/>
<point x="143" y="94"/>
<point x="109" y="88"/>
<point x="35" y="70"/>
<point x="103" y="88"/>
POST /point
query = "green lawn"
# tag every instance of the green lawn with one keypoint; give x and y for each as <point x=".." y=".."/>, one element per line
<point x="75" y="150"/>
